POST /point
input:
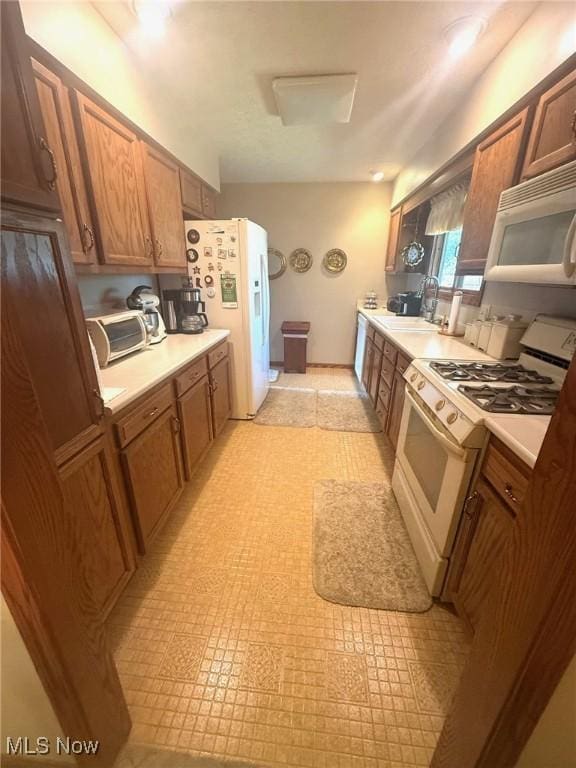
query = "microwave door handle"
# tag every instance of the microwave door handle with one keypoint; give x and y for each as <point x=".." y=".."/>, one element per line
<point x="442" y="439"/>
<point x="569" y="258"/>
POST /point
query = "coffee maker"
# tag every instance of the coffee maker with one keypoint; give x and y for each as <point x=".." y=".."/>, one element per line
<point x="184" y="310"/>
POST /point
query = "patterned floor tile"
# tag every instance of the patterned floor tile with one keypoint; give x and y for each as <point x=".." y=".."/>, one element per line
<point x="224" y="649"/>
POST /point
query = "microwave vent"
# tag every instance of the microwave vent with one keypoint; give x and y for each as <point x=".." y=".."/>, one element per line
<point x="550" y="183"/>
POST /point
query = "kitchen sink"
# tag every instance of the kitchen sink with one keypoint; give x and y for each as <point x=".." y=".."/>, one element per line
<point x="406" y="324"/>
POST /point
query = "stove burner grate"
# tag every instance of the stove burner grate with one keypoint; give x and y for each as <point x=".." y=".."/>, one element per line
<point x="515" y="399"/>
<point x="488" y="372"/>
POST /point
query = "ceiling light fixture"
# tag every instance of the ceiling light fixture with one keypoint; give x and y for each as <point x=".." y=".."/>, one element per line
<point x="152" y="15"/>
<point x="462" y="34"/>
<point x="377" y="175"/>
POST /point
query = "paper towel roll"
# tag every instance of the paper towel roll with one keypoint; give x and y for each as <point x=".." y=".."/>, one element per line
<point x="454" y="312"/>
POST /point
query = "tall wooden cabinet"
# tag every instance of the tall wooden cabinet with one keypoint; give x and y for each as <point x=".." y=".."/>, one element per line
<point x="496" y="167"/>
<point x="56" y="112"/>
<point x="165" y="208"/>
<point x="553" y="135"/>
<point x="29" y="171"/>
<point x="113" y="163"/>
<point x="393" y="239"/>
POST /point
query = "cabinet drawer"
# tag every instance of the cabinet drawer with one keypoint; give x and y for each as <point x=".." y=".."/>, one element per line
<point x="402" y="362"/>
<point x="384" y="393"/>
<point x="135" y="422"/>
<point x="379" y="340"/>
<point x="506" y="474"/>
<point x="387" y="372"/>
<point x="217" y="354"/>
<point x="190" y="376"/>
<point x="390" y="352"/>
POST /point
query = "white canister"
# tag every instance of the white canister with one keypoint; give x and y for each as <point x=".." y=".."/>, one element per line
<point x="505" y="338"/>
<point x="471" y="333"/>
<point x="484" y="334"/>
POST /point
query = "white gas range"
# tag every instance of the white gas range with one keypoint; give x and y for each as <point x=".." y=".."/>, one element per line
<point x="443" y="431"/>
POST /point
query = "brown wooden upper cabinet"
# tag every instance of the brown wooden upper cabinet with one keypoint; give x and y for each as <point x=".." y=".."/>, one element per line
<point x="393" y="239"/>
<point x="553" y="135"/>
<point x="29" y="170"/>
<point x="164" y="205"/>
<point x="55" y="105"/>
<point x="115" y="177"/>
<point x="496" y="167"/>
<point x="208" y="202"/>
<point x="191" y="190"/>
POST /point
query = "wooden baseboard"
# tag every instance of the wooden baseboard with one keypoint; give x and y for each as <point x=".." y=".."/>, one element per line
<point x="345" y="366"/>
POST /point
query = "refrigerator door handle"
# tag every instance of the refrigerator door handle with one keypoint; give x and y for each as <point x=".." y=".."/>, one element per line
<point x="265" y="314"/>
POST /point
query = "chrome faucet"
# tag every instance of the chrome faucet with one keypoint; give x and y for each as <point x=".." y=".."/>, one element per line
<point x="429" y="305"/>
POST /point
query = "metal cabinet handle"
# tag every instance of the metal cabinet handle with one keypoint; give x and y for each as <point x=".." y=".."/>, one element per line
<point x="87" y="238"/>
<point x="45" y="147"/>
<point x="509" y="492"/>
<point x="573" y="126"/>
<point x="159" y="249"/>
<point x="175" y="424"/>
<point x="151" y="413"/>
<point x="150" y="244"/>
<point x="467" y="511"/>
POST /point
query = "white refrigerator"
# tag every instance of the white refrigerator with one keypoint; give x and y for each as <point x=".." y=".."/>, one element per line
<point x="228" y="260"/>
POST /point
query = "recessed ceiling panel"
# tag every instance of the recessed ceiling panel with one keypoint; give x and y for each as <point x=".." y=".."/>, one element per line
<point x="315" y="100"/>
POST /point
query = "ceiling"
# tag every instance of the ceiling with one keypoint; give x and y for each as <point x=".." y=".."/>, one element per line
<point x="218" y="59"/>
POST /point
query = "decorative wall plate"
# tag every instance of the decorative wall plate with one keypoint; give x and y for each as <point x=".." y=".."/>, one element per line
<point x="300" y="260"/>
<point x="276" y="263"/>
<point x="412" y="254"/>
<point x="335" y="260"/>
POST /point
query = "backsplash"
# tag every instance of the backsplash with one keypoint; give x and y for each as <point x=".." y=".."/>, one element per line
<point x="102" y="294"/>
<point x="517" y="298"/>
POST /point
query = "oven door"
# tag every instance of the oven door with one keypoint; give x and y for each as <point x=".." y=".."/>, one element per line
<point x="437" y="472"/>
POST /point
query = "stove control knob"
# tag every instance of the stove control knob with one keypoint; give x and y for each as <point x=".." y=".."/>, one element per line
<point x="413" y="377"/>
<point x="440" y="404"/>
<point x="421" y="385"/>
<point x="451" y="418"/>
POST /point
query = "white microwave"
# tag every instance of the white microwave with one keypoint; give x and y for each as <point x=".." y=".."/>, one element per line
<point x="534" y="235"/>
<point x="117" y="334"/>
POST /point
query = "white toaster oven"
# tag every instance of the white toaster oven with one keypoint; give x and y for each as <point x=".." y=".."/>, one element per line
<point x="117" y="335"/>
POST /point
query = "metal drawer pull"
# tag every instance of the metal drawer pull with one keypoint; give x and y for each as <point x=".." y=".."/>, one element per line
<point x="510" y="494"/>
<point x="45" y="147"/>
<point x="151" y="413"/>
<point x="87" y="238"/>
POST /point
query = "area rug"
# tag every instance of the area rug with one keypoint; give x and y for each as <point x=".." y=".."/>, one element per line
<point x="362" y="552"/>
<point x="346" y="412"/>
<point x="288" y="408"/>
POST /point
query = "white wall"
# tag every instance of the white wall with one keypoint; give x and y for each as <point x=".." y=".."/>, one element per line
<point x="350" y="216"/>
<point x="553" y="741"/>
<point x="541" y="44"/>
<point x="26" y="709"/>
<point x="77" y="35"/>
<point x="102" y="294"/>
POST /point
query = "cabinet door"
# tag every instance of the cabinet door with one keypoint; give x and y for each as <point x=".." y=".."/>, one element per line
<point x="38" y="276"/>
<point x="153" y="469"/>
<point x="55" y="105"/>
<point x="195" y="415"/>
<point x="29" y="171"/>
<point x="208" y="202"/>
<point x="191" y="191"/>
<point x="367" y="364"/>
<point x="96" y="518"/>
<point x="496" y="167"/>
<point x="553" y="135"/>
<point x="396" y="408"/>
<point x="220" y="395"/>
<point x="484" y="529"/>
<point x="116" y="184"/>
<point x="375" y="374"/>
<point x="165" y="208"/>
<point x="393" y="240"/>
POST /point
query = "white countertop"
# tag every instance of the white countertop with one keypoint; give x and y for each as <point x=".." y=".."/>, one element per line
<point x="141" y="371"/>
<point x="522" y="433"/>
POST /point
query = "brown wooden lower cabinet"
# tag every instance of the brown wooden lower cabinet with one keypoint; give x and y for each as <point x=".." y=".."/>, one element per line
<point x="396" y="408"/>
<point x="376" y="365"/>
<point x="486" y="525"/>
<point x="94" y="508"/>
<point x="195" y="413"/>
<point x="220" y="395"/>
<point x="367" y="364"/>
<point x="153" y="473"/>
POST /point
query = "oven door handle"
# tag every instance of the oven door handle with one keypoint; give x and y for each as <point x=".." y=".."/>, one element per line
<point x="569" y="256"/>
<point x="442" y="439"/>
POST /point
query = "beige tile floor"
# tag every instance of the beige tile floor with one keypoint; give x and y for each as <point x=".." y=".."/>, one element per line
<point x="224" y="648"/>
